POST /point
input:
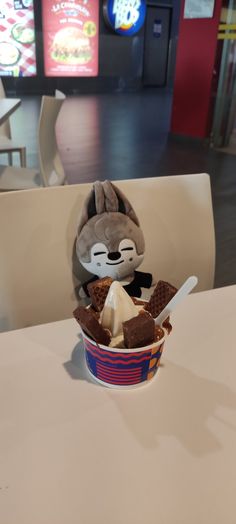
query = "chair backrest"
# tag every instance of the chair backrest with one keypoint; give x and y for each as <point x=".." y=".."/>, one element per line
<point x="5" y="128"/>
<point x="38" y="229"/>
<point x="59" y="94"/>
<point x="51" y="167"/>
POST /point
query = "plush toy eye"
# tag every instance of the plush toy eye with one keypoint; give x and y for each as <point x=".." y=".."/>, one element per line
<point x="127" y="244"/>
<point x="99" y="249"/>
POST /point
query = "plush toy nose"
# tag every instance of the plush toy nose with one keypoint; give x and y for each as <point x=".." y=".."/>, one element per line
<point x="114" y="256"/>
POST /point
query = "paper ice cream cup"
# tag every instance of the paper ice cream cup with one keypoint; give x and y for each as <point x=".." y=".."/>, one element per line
<point x="122" y="368"/>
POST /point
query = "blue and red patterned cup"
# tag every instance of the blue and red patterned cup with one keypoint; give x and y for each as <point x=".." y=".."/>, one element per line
<point x="122" y="368"/>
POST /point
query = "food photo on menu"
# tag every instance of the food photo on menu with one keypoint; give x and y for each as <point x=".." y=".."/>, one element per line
<point x="71" y="46"/>
<point x="17" y="38"/>
<point x="70" y="37"/>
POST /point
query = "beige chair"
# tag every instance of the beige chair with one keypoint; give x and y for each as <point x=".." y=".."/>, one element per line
<point x="7" y="144"/>
<point x="51" y="171"/>
<point x="51" y="167"/>
<point x="38" y="273"/>
<point x="59" y="94"/>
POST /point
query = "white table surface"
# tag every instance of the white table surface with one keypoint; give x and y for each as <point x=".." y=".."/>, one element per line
<point x="72" y="451"/>
<point x="7" y="107"/>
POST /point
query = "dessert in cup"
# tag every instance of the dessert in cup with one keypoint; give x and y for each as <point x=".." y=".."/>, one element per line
<point x="123" y="345"/>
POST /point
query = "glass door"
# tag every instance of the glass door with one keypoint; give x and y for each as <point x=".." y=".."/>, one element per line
<point x="225" y="105"/>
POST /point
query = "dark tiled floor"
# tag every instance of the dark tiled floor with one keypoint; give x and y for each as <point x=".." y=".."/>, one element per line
<point x="119" y="136"/>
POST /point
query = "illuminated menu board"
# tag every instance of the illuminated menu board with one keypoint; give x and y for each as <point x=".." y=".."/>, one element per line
<point x="17" y="38"/>
<point x="70" y="36"/>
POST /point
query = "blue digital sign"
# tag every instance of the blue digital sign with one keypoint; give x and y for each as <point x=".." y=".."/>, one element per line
<point x="125" y="17"/>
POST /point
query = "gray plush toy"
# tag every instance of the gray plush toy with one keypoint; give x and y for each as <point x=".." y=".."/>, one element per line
<point x="110" y="241"/>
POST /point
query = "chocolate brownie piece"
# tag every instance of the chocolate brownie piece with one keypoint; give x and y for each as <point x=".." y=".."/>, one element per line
<point x="139" y="331"/>
<point x="90" y="325"/>
<point x="162" y="294"/>
<point x="98" y="291"/>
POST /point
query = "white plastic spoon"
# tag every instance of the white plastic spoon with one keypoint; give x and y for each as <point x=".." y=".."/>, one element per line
<point x="182" y="292"/>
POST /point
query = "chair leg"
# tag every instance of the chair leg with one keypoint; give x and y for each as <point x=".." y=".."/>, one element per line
<point x="23" y="156"/>
<point x="10" y="159"/>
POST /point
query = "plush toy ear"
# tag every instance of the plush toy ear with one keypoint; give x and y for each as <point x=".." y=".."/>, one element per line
<point x="105" y="198"/>
<point x="88" y="210"/>
<point x="124" y="205"/>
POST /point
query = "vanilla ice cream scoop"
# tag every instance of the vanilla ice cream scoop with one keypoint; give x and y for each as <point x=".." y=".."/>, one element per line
<point x="118" y="308"/>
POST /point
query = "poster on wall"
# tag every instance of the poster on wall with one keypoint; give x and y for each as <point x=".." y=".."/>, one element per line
<point x="70" y="37"/>
<point x="199" y="8"/>
<point x="17" y="38"/>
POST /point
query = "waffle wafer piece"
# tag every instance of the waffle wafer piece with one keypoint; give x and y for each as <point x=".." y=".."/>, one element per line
<point x="89" y="323"/>
<point x="98" y="292"/>
<point x="162" y="294"/>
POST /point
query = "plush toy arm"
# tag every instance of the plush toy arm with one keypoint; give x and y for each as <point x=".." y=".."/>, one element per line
<point x="144" y="279"/>
<point x="141" y="280"/>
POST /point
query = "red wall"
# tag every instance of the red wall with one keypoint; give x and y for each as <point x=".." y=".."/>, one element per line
<point x="191" y="110"/>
